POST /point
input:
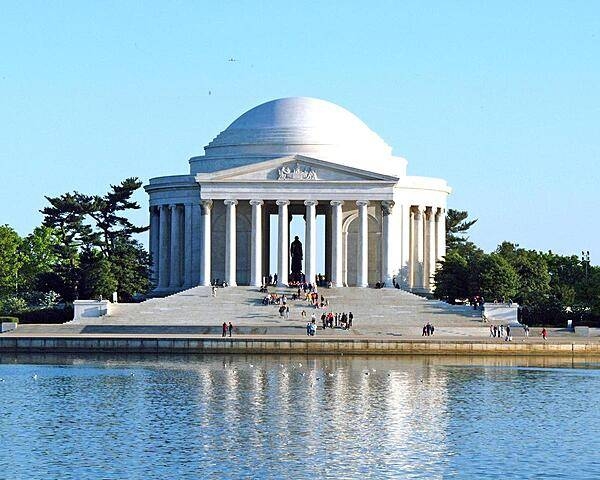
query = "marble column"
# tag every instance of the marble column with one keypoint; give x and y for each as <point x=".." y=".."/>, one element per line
<point x="418" y="251"/>
<point x="386" y="243"/>
<point x="256" y="244"/>
<point x="187" y="246"/>
<point x="283" y="247"/>
<point x="230" y="243"/>
<point x="205" y="266"/>
<point x="164" y="248"/>
<point x="155" y="242"/>
<point x="175" y="277"/>
<point x="310" y="263"/>
<point x="440" y="234"/>
<point x="431" y="254"/>
<point x="363" y="244"/>
<point x="336" y="243"/>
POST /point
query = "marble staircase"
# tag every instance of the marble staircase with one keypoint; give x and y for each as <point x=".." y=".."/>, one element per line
<point x="375" y="311"/>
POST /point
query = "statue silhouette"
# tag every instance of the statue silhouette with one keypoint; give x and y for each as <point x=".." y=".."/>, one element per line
<point x="296" y="253"/>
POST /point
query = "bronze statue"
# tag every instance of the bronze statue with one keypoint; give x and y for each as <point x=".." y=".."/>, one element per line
<point x="296" y="253"/>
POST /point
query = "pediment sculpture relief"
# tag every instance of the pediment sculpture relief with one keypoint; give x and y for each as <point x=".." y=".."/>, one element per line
<point x="297" y="173"/>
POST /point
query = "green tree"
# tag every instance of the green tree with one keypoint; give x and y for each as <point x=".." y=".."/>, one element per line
<point x="86" y="224"/>
<point x="452" y="278"/>
<point x="96" y="278"/>
<point x="497" y="278"/>
<point x="10" y="260"/>
<point x="131" y="265"/>
<point x="532" y="270"/>
<point x="107" y="214"/>
<point x="38" y="253"/>
<point x="457" y="227"/>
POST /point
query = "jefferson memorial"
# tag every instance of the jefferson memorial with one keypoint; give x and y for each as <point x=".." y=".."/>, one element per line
<point x="296" y="157"/>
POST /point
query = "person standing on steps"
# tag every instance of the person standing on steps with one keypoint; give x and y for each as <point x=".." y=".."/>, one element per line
<point x="224" y="329"/>
<point x="230" y="328"/>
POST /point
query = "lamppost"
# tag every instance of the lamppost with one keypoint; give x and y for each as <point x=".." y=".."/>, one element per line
<point x="585" y="261"/>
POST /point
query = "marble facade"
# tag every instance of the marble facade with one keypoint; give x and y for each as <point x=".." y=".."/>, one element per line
<point x="296" y="156"/>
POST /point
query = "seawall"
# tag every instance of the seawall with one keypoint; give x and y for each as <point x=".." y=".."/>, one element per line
<point x="245" y="345"/>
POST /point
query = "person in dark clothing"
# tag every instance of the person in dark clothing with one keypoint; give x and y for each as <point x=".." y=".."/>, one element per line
<point x="224" y="329"/>
<point x="230" y="328"/>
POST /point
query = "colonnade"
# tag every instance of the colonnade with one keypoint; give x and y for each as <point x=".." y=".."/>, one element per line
<point x="181" y="247"/>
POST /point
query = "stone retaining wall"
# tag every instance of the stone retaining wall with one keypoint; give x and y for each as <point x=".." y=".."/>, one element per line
<point x="295" y="345"/>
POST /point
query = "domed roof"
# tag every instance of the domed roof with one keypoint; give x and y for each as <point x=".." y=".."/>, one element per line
<point x="300" y="125"/>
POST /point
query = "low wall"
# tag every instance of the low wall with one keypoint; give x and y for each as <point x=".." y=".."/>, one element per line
<point x="89" y="309"/>
<point x="79" y="344"/>
<point x="501" y="313"/>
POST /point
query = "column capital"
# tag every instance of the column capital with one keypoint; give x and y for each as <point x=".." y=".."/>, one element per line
<point x="386" y="207"/>
<point x="230" y="201"/>
<point x="206" y="205"/>
<point x="282" y="202"/>
<point x="256" y="202"/>
<point x="336" y="203"/>
<point x="439" y="212"/>
<point x="362" y="203"/>
<point x="418" y="210"/>
<point x="430" y="211"/>
<point x="309" y="203"/>
<point x="173" y="206"/>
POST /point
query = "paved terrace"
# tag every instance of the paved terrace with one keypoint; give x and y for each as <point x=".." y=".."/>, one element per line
<point x="386" y="314"/>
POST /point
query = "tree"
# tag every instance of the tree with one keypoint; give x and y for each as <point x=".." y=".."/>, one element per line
<point x="531" y="267"/>
<point x="105" y="211"/>
<point x="10" y="260"/>
<point x="131" y="266"/>
<point x="96" y="279"/>
<point x="94" y="229"/>
<point x="497" y="278"/>
<point x="38" y="253"/>
<point x="452" y="278"/>
<point x="457" y="227"/>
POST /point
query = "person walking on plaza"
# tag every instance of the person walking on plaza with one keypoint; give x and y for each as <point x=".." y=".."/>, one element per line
<point x="213" y="291"/>
<point x="544" y="334"/>
<point x="224" y="329"/>
<point x="230" y="328"/>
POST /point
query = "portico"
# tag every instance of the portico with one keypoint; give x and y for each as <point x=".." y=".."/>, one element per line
<point x="381" y="225"/>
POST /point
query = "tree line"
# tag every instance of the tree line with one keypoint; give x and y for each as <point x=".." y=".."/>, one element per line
<point x="84" y="248"/>
<point x="550" y="288"/>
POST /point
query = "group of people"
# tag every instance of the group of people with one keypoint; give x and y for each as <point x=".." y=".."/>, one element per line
<point x="501" y="331"/>
<point x="335" y="320"/>
<point x="274" y="299"/>
<point x="428" y="330"/>
<point x="477" y="302"/>
<point x="227" y="329"/>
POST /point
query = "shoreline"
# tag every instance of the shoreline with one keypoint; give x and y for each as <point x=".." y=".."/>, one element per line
<point x="281" y="344"/>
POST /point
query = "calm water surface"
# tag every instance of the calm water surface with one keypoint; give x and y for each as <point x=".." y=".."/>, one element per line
<point x="297" y="417"/>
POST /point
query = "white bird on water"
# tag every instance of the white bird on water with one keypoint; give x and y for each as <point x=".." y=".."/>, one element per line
<point x="35" y="376"/>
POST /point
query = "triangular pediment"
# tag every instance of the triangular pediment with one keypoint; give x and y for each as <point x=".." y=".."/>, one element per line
<point x="295" y="168"/>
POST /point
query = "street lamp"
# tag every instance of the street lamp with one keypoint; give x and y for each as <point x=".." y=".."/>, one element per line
<point x="585" y="261"/>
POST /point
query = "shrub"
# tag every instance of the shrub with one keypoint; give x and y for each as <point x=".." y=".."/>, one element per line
<point x="9" y="319"/>
<point x="47" y="315"/>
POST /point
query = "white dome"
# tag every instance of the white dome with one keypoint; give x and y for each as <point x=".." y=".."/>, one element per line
<point x="303" y="126"/>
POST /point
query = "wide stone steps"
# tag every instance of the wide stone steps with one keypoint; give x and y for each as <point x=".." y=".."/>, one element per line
<point x="373" y="310"/>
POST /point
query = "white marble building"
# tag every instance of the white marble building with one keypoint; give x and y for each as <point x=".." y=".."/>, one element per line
<point x="296" y="156"/>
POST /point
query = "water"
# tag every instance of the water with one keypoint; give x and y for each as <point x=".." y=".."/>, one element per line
<point x="297" y="417"/>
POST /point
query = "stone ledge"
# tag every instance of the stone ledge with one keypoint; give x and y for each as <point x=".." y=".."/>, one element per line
<point x="325" y="346"/>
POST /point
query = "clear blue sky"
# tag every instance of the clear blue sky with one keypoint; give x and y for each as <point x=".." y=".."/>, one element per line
<point x="501" y="99"/>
